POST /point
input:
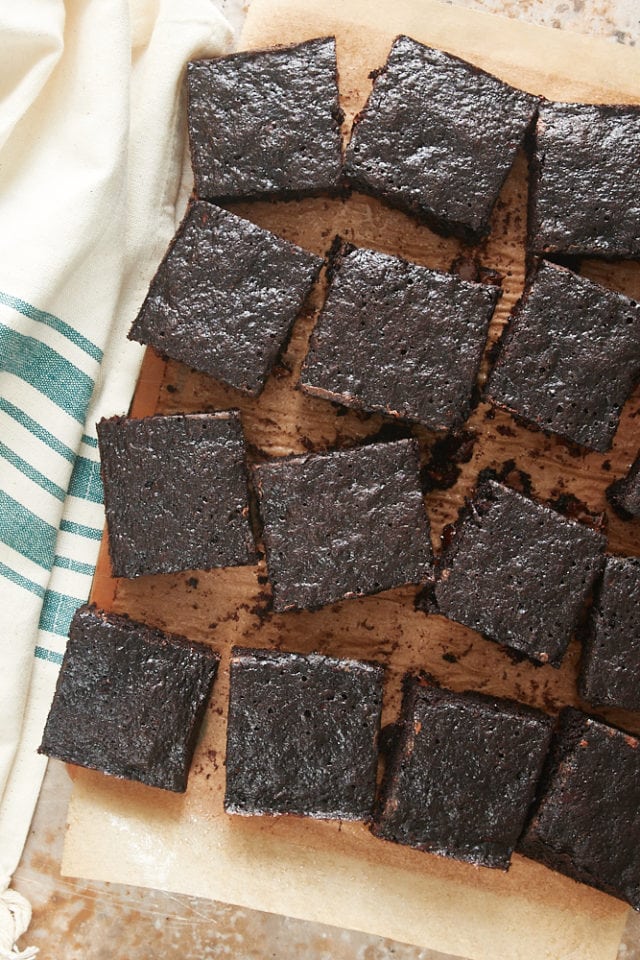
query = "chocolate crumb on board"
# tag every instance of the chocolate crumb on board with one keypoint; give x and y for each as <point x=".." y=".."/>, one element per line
<point x="624" y="494"/>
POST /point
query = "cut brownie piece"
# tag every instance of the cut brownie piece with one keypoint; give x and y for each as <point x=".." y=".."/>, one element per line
<point x="266" y="123"/>
<point x="302" y="735"/>
<point x="414" y="339"/>
<point x="225" y="297"/>
<point x="129" y="700"/>
<point x="611" y="662"/>
<point x="437" y="138"/>
<point x="343" y="524"/>
<point x="176" y="494"/>
<point x="569" y="358"/>
<point x="585" y="823"/>
<point x="624" y="494"/>
<point x="461" y="774"/>
<point x="518" y="572"/>
<point x="585" y="181"/>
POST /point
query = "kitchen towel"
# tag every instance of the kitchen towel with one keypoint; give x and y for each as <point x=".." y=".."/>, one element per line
<point x="93" y="180"/>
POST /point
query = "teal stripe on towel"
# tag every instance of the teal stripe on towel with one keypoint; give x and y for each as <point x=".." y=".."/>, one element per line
<point x="47" y="371"/>
<point x="36" y="429"/>
<point x="67" y="563"/>
<point x="31" y="472"/>
<point x="57" y="611"/>
<point x="49" y="320"/>
<point x="43" y="653"/>
<point x="92" y="533"/>
<point x="9" y="574"/>
<point x="25" y="532"/>
<point x="86" y="482"/>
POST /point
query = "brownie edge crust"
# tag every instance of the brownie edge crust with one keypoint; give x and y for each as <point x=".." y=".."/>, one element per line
<point x="129" y="700"/>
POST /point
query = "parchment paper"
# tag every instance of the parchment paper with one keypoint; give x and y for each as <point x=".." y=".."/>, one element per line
<point x="340" y="874"/>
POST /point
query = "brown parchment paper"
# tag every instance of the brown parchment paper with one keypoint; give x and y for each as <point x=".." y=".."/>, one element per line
<point x="338" y="873"/>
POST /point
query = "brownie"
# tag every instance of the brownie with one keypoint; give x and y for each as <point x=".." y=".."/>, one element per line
<point x="225" y="297"/>
<point x="585" y="181"/>
<point x="569" y="358"/>
<point x="129" y="700"/>
<point x="414" y="344"/>
<point x="302" y="735"/>
<point x="461" y="774"/>
<point x="624" y="494"/>
<point x="610" y="673"/>
<point x="518" y="572"/>
<point x="175" y="492"/>
<point x="266" y="123"/>
<point x="437" y="138"/>
<point x="343" y="524"/>
<point x="585" y="823"/>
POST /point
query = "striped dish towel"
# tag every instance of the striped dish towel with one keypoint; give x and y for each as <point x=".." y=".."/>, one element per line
<point x="92" y="183"/>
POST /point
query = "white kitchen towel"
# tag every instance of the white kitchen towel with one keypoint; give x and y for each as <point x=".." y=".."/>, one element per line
<point x="92" y="185"/>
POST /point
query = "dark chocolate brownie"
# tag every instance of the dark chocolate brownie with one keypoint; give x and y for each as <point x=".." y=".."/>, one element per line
<point x="585" y="181"/>
<point x="624" y="494"/>
<point x="302" y="735"/>
<point x="343" y="524"/>
<point x="461" y="774"/>
<point x="518" y="572"/>
<point x="129" y="700"/>
<point x="225" y="297"/>
<point x="266" y="123"/>
<point x="611" y="661"/>
<point x="175" y="493"/>
<point x="398" y="338"/>
<point x="569" y="358"/>
<point x="437" y="138"/>
<point x="585" y="823"/>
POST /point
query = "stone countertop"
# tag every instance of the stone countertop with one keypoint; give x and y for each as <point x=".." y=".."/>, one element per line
<point x="84" y="920"/>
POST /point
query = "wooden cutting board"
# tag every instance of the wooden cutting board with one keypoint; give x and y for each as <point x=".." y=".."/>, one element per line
<point x="330" y="872"/>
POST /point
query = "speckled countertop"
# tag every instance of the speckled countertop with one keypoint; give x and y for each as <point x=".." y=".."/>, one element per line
<point x="76" y="919"/>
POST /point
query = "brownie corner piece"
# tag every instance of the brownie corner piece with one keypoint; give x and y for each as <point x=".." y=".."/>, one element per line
<point x="437" y="138"/>
<point x="129" y="700"/>
<point x="585" y="181"/>
<point x="611" y="649"/>
<point x="569" y="357"/>
<point x="266" y="123"/>
<point x="176" y="495"/>
<point x="343" y="524"/>
<point x="585" y="821"/>
<point x="518" y="572"/>
<point x="415" y="343"/>
<point x="302" y="735"/>
<point x="461" y="774"/>
<point x="624" y="494"/>
<point x="225" y="297"/>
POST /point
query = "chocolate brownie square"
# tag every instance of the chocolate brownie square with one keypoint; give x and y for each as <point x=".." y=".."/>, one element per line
<point x="624" y="494"/>
<point x="437" y="138"/>
<point x="225" y="297"/>
<point x="585" y="823"/>
<point x="129" y="700"/>
<point x="343" y="524"/>
<point x="585" y="181"/>
<point x="569" y="358"/>
<point x="518" y="572"/>
<point x="266" y="123"/>
<point x="610" y="672"/>
<point x="175" y="492"/>
<point x="414" y="344"/>
<point x="302" y="735"/>
<point x="461" y="774"/>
